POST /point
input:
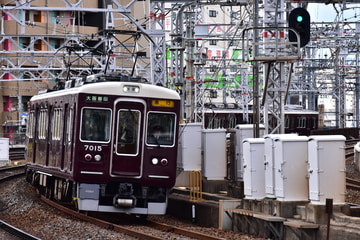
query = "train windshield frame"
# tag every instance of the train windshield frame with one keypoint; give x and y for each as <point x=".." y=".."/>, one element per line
<point x="161" y="127"/>
<point x="95" y="124"/>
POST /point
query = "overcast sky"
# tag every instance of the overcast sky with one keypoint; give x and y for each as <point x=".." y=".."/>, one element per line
<point x="327" y="13"/>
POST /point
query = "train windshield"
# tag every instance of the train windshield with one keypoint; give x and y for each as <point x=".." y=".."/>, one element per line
<point x="161" y="129"/>
<point x="95" y="124"/>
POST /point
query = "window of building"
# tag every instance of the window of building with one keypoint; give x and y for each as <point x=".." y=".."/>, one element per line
<point x="28" y="16"/>
<point x="212" y="42"/>
<point x="213" y="94"/>
<point x="234" y="15"/>
<point x="212" y="13"/>
<point x="39" y="45"/>
<point x="233" y="42"/>
<point x="24" y="42"/>
<point x="234" y="68"/>
<point x="39" y="16"/>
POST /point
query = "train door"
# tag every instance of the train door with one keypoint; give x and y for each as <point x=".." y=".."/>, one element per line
<point x="30" y="134"/>
<point x="55" y="137"/>
<point x="67" y="137"/>
<point x="128" y="140"/>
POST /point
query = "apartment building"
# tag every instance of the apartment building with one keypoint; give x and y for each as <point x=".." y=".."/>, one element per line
<point x="41" y="40"/>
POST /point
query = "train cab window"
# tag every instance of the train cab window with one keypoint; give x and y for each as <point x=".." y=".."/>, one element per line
<point x="161" y="129"/>
<point x="95" y="124"/>
<point x="128" y="131"/>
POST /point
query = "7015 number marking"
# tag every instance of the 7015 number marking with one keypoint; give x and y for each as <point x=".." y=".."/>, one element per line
<point x="93" y="148"/>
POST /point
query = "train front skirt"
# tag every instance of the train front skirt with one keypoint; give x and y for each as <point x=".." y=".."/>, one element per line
<point x="88" y="199"/>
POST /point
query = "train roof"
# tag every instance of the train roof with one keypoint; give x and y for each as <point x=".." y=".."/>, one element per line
<point x="127" y="89"/>
<point x="239" y="110"/>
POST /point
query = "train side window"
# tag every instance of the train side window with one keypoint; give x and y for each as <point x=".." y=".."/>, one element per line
<point x="128" y="131"/>
<point x="287" y="122"/>
<point x="301" y="122"/>
<point x="56" y="124"/>
<point x="313" y="123"/>
<point x="232" y="122"/>
<point x="95" y="124"/>
<point x="30" y="125"/>
<point x="161" y="129"/>
<point x="43" y="124"/>
<point x="69" y="122"/>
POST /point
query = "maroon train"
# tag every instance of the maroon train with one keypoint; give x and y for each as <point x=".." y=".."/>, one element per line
<point x="297" y="120"/>
<point x="107" y="146"/>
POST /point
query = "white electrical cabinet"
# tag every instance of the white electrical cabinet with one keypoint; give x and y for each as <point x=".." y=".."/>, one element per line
<point x="214" y="154"/>
<point x="254" y="172"/>
<point x="269" y="160"/>
<point x="357" y="155"/>
<point x="4" y="151"/>
<point x="189" y="152"/>
<point x="327" y="177"/>
<point x="243" y="131"/>
<point x="290" y="168"/>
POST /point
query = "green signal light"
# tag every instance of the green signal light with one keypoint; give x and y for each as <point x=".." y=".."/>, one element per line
<point x="299" y="18"/>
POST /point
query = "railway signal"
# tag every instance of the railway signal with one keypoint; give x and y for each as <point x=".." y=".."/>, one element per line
<point x="299" y="20"/>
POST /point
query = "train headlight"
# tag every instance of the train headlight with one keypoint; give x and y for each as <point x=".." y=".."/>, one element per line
<point x="154" y="161"/>
<point x="164" y="161"/>
<point x="88" y="157"/>
<point x="97" y="157"/>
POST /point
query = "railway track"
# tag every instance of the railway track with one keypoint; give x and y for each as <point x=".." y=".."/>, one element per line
<point x="6" y="174"/>
<point x="16" y="232"/>
<point x="352" y="184"/>
<point x="134" y="232"/>
<point x="17" y="152"/>
<point x="147" y="226"/>
<point x="349" y="147"/>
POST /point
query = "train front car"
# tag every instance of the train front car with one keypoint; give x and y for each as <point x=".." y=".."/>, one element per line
<point x="107" y="146"/>
<point x="127" y="148"/>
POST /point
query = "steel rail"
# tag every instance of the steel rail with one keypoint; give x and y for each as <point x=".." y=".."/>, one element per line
<point x="17" y="232"/>
<point x="352" y="184"/>
<point x="187" y="233"/>
<point x="3" y="169"/>
<point x="133" y="233"/>
<point x="6" y="226"/>
<point x="349" y="147"/>
<point x="12" y="175"/>
<point x="99" y="222"/>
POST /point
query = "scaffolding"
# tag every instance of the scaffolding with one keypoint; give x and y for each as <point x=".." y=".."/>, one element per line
<point x="214" y="53"/>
